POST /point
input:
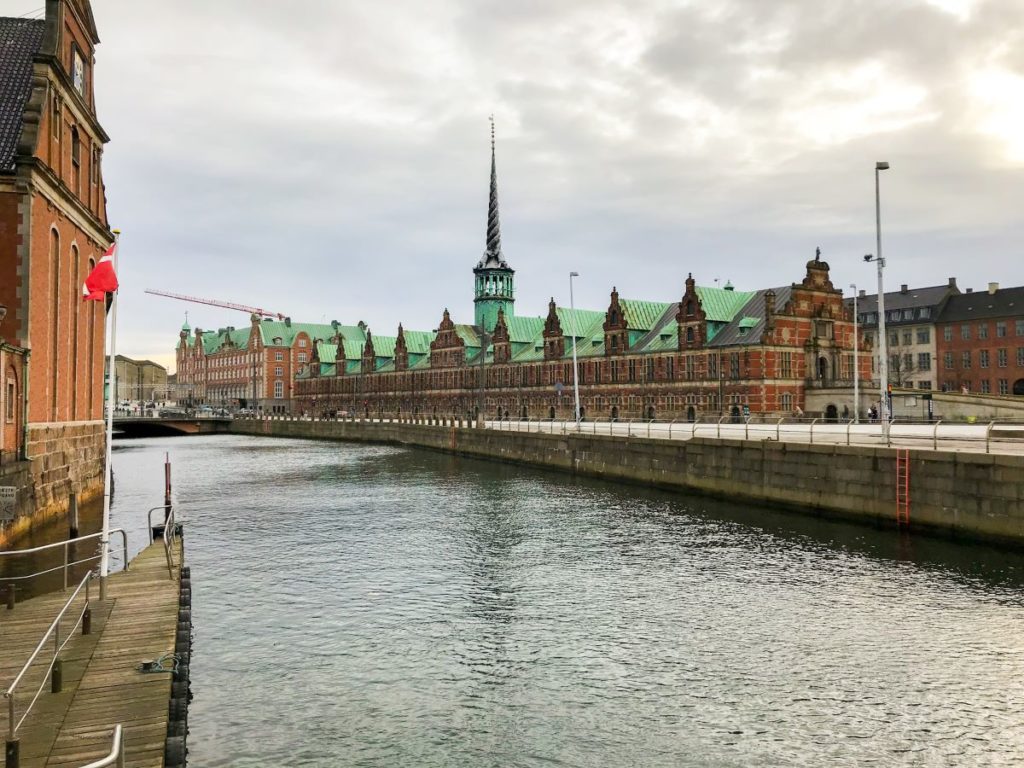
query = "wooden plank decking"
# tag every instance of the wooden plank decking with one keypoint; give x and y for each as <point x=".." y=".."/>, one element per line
<point x="102" y="685"/>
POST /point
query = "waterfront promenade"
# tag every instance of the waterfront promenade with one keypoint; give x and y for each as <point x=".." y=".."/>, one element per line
<point x="102" y="687"/>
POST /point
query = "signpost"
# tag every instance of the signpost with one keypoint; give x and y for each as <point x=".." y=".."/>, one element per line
<point x="8" y="503"/>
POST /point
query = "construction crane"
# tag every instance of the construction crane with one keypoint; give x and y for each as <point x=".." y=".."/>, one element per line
<point x="215" y="303"/>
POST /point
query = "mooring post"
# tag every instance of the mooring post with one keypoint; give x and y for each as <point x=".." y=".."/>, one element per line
<point x="10" y="596"/>
<point x="72" y="515"/>
<point x="167" y="485"/>
<point x="11" y="753"/>
<point x="57" y="676"/>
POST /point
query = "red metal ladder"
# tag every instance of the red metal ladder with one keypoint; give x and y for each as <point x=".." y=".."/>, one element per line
<point x="902" y="486"/>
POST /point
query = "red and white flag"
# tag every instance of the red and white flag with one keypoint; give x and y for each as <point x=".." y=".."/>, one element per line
<point x="102" y="279"/>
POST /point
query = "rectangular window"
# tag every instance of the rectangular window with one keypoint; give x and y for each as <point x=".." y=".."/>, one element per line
<point x="734" y="365"/>
<point x="983" y="359"/>
<point x="279" y="355"/>
<point x="278" y="389"/>
<point x="894" y="339"/>
<point x="650" y="369"/>
<point x="689" y="367"/>
<point x="302" y="343"/>
<point x="278" y="370"/>
<point x="869" y="338"/>
<point x="908" y="364"/>
<point x="1001" y="357"/>
<point x="966" y="359"/>
<point x="11" y="397"/>
<point x="1004" y="386"/>
<point x="1001" y="329"/>
<point x="924" y="335"/>
<point x="924" y="384"/>
<point x="982" y="331"/>
<point x="302" y="357"/>
<point x="787" y="402"/>
<point x="670" y="366"/>
<point x="965" y="331"/>
<point x="632" y="370"/>
<point x="985" y="386"/>
<point x="947" y="333"/>
<point x="787" y="365"/>
<point x="908" y="338"/>
<point x="1020" y="357"/>
<point x="924" y="361"/>
<point x="1020" y="327"/>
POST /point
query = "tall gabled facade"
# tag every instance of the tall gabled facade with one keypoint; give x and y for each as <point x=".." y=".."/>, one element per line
<point x="53" y="229"/>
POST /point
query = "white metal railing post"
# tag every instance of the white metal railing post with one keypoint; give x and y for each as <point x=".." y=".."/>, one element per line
<point x="935" y="436"/>
<point x="720" y="426"/>
<point x="629" y="428"/>
<point x="746" y="428"/>
<point x="988" y="435"/>
<point x="670" y="428"/>
<point x="778" y="428"/>
<point x="693" y="428"/>
<point x="813" y="422"/>
<point x="848" y="425"/>
<point x="649" y="422"/>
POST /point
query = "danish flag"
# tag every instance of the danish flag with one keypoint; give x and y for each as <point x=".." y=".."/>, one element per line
<point x="102" y="279"/>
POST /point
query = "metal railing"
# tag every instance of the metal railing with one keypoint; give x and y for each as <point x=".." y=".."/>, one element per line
<point x="54" y="631"/>
<point x="1002" y="435"/>
<point x="116" y="754"/>
<point x="169" y="533"/>
<point x="66" y="545"/>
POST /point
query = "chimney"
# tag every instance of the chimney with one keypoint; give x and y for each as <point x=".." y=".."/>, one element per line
<point x="992" y="288"/>
<point x="769" y="309"/>
<point x="288" y="322"/>
<point x="903" y="289"/>
<point x="952" y="282"/>
<point x="969" y="290"/>
<point x="863" y="293"/>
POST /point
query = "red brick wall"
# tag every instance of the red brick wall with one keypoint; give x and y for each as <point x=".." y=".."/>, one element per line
<point x="974" y="377"/>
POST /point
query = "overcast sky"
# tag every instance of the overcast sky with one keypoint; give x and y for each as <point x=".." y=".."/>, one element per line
<point x="329" y="159"/>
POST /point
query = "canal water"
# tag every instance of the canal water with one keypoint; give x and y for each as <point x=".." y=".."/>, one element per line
<point x="377" y="606"/>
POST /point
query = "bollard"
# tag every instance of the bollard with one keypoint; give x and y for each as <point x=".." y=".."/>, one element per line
<point x="11" y="754"/>
<point x="10" y="597"/>
<point x="57" y="676"/>
<point x="87" y="621"/>
<point x="73" y="515"/>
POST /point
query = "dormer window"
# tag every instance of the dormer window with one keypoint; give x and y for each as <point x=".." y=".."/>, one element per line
<point x="302" y="342"/>
<point x="689" y="309"/>
<point x="614" y="317"/>
<point x="78" y="72"/>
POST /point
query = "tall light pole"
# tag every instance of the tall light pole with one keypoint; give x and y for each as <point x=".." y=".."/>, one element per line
<point x="575" y="365"/>
<point x="883" y="362"/>
<point x="856" y="368"/>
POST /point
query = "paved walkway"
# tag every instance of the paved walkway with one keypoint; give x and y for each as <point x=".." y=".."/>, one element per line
<point x="102" y="686"/>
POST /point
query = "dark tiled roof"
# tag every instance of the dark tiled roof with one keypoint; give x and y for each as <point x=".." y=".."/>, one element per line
<point x="19" y="41"/>
<point x="1005" y="302"/>
<point x="914" y="297"/>
<point x="754" y="310"/>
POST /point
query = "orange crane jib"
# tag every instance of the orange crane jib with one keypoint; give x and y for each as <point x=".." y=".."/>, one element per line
<point x="216" y="303"/>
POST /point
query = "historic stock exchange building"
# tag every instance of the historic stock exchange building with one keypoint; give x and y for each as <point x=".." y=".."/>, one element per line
<point x="715" y="352"/>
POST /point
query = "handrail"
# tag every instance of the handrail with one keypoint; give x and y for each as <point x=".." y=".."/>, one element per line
<point x="719" y="432"/>
<point x="67" y="564"/>
<point x="693" y="430"/>
<point x="778" y="428"/>
<point x="54" y="630"/>
<point x="670" y="428"/>
<point x="169" y="533"/>
<point x="149" y="518"/>
<point x="935" y="435"/>
<point x="116" y="754"/>
<point x="811" y="439"/>
<point x="629" y="428"/>
<point x="988" y="436"/>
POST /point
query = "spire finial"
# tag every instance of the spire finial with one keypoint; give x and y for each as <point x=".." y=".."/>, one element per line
<point x="493" y="221"/>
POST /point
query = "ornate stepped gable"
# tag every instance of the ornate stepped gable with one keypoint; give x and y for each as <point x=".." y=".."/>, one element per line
<point x="616" y="335"/>
<point x="401" y="351"/>
<point x="691" y="319"/>
<point x="554" y="340"/>
<point x="447" y="350"/>
<point x="500" y="340"/>
<point x="368" y="354"/>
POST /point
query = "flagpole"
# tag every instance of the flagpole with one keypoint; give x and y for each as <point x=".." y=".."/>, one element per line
<point x="109" y="403"/>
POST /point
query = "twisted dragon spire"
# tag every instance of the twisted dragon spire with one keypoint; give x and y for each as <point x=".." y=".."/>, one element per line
<point x="493" y="251"/>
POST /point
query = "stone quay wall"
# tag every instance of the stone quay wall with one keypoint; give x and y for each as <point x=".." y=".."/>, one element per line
<point x="970" y="495"/>
<point x="66" y="458"/>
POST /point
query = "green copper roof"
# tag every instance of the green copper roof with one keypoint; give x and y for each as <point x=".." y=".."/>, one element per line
<point x="384" y="346"/>
<point x="418" y="342"/>
<point x="721" y="305"/>
<point x="327" y="352"/>
<point x="642" y="315"/>
<point x="749" y="322"/>
<point x="524" y="329"/>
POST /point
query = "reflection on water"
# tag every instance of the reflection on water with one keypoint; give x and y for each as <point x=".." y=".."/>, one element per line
<point x="364" y="606"/>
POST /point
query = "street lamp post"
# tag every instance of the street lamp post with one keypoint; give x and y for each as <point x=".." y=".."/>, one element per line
<point x="883" y="361"/>
<point x="856" y="368"/>
<point x="575" y="364"/>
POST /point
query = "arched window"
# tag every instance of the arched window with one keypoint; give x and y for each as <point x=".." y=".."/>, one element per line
<point x="55" y="317"/>
<point x="689" y="335"/>
<point x="74" y="309"/>
<point x="76" y="161"/>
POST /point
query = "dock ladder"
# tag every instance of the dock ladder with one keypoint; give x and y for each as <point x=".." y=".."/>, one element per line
<point x="902" y="486"/>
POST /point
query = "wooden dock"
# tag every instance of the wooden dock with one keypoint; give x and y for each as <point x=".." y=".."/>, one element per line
<point x="102" y="685"/>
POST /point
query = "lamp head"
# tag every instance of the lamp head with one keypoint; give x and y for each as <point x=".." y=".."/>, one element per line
<point x="574" y="274"/>
<point x="868" y="257"/>
<point x="881" y="165"/>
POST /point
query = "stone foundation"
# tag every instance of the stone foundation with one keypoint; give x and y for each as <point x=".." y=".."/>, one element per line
<point x="66" y="458"/>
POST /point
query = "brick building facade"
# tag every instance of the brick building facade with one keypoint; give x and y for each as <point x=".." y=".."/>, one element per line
<point x="53" y="229"/>
<point x="980" y="342"/>
<point x="716" y="351"/>
<point x="252" y="367"/>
